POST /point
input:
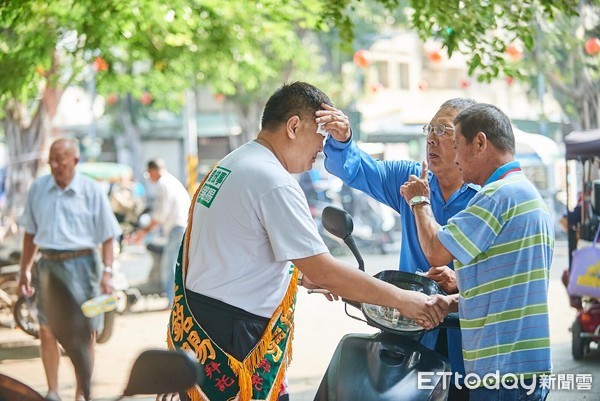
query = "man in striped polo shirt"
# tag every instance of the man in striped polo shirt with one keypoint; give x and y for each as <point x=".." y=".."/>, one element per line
<point x="502" y="244"/>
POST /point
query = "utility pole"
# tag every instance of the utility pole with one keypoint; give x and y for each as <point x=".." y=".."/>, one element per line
<point x="191" y="159"/>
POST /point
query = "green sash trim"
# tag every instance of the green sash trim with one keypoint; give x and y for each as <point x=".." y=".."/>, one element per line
<point x="260" y="374"/>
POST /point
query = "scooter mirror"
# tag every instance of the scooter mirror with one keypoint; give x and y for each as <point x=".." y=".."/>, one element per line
<point x="337" y="221"/>
<point x="161" y="372"/>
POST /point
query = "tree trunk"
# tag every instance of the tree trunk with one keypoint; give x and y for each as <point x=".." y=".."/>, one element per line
<point x="249" y="119"/>
<point x="131" y="139"/>
<point x="581" y="101"/>
<point x="589" y="109"/>
<point x="26" y="139"/>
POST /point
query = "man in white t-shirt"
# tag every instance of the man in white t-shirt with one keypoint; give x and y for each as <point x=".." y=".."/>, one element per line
<point x="170" y="211"/>
<point x="250" y="238"/>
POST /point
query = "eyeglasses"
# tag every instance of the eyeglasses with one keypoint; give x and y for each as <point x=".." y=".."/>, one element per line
<point x="438" y="129"/>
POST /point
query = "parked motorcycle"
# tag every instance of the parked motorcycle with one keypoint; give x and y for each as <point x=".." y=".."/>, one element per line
<point x="8" y="293"/>
<point x="153" y="372"/>
<point x="582" y="223"/>
<point x="390" y="365"/>
<point x="150" y="285"/>
<point x="373" y="222"/>
<point x="334" y="244"/>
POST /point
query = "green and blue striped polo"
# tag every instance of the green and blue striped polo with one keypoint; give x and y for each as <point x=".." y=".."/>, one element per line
<point x="503" y="245"/>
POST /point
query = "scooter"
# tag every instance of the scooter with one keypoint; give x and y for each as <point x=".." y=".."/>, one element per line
<point x="9" y="280"/>
<point x="585" y="330"/>
<point x="334" y="244"/>
<point x="582" y="224"/>
<point x="373" y="222"/>
<point x="151" y="285"/>
<point x="390" y="365"/>
<point x="153" y="372"/>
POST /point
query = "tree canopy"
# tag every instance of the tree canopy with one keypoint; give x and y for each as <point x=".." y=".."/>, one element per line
<point x="146" y="44"/>
<point x="482" y="29"/>
<point x="139" y="46"/>
<point x="536" y="41"/>
<point x="236" y="46"/>
<point x="245" y="49"/>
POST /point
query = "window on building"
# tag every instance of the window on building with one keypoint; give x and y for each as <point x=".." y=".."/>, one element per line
<point x="443" y="78"/>
<point x="382" y="71"/>
<point x="403" y="76"/>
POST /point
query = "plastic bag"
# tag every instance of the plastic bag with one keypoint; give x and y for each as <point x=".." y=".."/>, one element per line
<point x="584" y="279"/>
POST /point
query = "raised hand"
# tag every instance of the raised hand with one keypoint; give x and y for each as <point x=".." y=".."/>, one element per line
<point x="416" y="186"/>
<point x="334" y="122"/>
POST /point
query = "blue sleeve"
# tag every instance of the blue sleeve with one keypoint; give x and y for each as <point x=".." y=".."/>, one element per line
<point x="378" y="178"/>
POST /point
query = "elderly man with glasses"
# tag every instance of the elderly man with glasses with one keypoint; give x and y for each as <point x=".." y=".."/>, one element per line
<point x="381" y="179"/>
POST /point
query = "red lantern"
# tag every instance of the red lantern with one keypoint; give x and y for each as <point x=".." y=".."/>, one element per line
<point x="464" y="83"/>
<point x="514" y="52"/>
<point x="112" y="99"/>
<point x="362" y="58"/>
<point x="146" y="98"/>
<point x="434" y="56"/>
<point x="592" y="46"/>
<point x="100" y="64"/>
<point x="219" y="97"/>
<point x="509" y="80"/>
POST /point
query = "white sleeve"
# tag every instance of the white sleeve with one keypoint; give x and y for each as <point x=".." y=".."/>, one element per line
<point x="159" y="212"/>
<point x="292" y="232"/>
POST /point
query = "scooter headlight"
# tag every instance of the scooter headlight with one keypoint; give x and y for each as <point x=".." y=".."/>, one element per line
<point x="389" y="318"/>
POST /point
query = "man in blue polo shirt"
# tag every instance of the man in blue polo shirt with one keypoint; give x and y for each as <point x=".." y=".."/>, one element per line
<point x="502" y="244"/>
<point x="381" y="179"/>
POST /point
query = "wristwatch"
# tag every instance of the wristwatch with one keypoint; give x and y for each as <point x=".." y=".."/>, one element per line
<point x="417" y="200"/>
<point x="108" y="270"/>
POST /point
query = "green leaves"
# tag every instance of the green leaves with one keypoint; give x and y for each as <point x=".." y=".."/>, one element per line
<point x="164" y="45"/>
<point x="481" y="29"/>
<point x="239" y="46"/>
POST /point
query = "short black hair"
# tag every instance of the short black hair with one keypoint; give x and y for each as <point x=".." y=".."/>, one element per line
<point x="297" y="98"/>
<point x="490" y="120"/>
<point x="156" y="164"/>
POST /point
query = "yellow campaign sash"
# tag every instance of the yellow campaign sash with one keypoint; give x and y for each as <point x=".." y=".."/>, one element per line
<point x="260" y="374"/>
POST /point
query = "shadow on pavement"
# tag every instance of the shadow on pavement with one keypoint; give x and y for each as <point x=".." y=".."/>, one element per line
<point x="18" y="350"/>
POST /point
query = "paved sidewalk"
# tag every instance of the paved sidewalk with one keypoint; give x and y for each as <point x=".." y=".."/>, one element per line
<point x="19" y="356"/>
